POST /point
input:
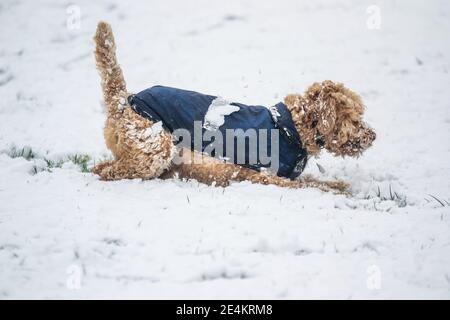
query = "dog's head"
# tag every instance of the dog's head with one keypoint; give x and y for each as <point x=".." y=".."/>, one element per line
<point x="331" y="116"/>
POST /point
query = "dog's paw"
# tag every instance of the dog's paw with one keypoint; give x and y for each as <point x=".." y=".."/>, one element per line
<point x="335" y="186"/>
<point x="103" y="169"/>
<point x="339" y="186"/>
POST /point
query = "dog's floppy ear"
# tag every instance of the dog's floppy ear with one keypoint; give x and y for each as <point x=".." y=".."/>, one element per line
<point x="348" y="102"/>
<point x="323" y="106"/>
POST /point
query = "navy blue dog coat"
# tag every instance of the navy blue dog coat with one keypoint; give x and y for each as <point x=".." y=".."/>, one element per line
<point x="180" y="109"/>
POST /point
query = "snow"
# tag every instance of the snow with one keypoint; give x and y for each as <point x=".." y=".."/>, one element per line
<point x="215" y="115"/>
<point x="65" y="234"/>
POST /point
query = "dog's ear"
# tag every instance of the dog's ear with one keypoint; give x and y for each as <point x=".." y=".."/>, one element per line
<point x="348" y="107"/>
<point x="348" y="103"/>
<point x="322" y="106"/>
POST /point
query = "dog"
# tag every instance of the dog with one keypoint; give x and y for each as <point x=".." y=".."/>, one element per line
<point x="143" y="144"/>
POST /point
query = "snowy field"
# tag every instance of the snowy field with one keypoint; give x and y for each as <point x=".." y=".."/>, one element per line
<point x="65" y="234"/>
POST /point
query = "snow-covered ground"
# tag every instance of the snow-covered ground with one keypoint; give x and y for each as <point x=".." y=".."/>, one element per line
<point x="65" y="234"/>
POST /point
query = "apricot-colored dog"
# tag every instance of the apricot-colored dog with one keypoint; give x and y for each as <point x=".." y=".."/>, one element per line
<point x="326" y="110"/>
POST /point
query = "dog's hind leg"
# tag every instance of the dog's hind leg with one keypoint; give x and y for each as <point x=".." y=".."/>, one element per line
<point x="138" y="167"/>
<point x="147" y="150"/>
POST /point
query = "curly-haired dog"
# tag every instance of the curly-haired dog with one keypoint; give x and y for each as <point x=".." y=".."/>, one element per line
<point x="327" y="115"/>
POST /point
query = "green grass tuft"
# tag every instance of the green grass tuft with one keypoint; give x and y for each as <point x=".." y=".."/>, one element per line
<point x="83" y="161"/>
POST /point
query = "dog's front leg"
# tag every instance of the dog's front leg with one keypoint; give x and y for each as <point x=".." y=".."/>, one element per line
<point x="336" y="185"/>
<point x="305" y="182"/>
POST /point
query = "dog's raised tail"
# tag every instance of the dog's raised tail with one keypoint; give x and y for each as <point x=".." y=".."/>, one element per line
<point x="113" y="83"/>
